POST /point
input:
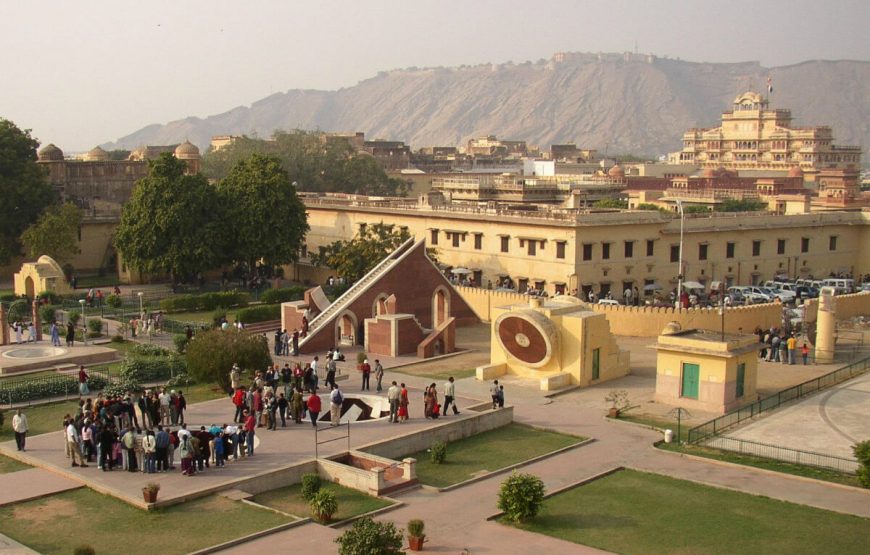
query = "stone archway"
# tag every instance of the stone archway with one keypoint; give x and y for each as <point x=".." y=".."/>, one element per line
<point x="379" y="306"/>
<point x="440" y="306"/>
<point x="346" y="329"/>
<point x="29" y="288"/>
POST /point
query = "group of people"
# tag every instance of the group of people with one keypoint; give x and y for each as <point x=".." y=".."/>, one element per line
<point x="20" y="329"/>
<point x="780" y="346"/>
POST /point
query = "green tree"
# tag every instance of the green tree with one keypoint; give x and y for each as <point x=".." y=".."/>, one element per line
<point x="353" y="259"/>
<point x="211" y="354"/>
<point x="267" y="218"/>
<point x="24" y="190"/>
<point x="55" y="233"/>
<point x="741" y="205"/>
<point x="370" y="537"/>
<point x="862" y="453"/>
<point x="173" y="222"/>
<point x="651" y="207"/>
<point x="695" y="209"/>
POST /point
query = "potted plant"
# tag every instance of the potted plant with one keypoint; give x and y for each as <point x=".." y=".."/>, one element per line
<point x="416" y="537"/>
<point x="150" y="492"/>
<point x="618" y="399"/>
<point x="360" y="359"/>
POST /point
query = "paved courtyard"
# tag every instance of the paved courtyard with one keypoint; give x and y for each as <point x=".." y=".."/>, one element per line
<point x="828" y="422"/>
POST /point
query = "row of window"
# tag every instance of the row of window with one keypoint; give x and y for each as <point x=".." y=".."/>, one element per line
<point x="533" y="245"/>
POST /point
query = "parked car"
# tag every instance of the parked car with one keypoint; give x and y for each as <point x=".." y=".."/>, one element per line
<point x="783" y="295"/>
<point x="608" y="301"/>
<point x="841" y="285"/>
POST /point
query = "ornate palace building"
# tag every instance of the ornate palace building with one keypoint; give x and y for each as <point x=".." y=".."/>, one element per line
<point x="754" y="137"/>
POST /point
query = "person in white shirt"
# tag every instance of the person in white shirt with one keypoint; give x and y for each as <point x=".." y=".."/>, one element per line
<point x="393" y="395"/>
<point x="232" y="431"/>
<point x="183" y="432"/>
<point x="73" y="440"/>
<point x="449" y="396"/>
<point x="19" y="425"/>
<point x="164" y="398"/>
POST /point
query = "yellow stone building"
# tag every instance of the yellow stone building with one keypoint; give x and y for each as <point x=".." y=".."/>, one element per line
<point x="754" y="137"/>
<point x="700" y="369"/>
<point x="559" y="250"/>
<point x="558" y="342"/>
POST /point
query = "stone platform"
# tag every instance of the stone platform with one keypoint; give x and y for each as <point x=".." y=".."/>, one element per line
<point x="31" y="357"/>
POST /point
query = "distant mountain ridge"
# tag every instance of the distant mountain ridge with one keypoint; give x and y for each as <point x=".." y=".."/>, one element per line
<point x="624" y="103"/>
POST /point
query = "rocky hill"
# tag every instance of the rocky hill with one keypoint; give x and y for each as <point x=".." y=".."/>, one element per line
<point x="623" y="103"/>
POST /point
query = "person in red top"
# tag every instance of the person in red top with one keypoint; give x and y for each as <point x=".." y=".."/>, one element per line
<point x="366" y="370"/>
<point x="83" y="382"/>
<point x="313" y="408"/>
<point x="239" y="402"/>
<point x="250" y="427"/>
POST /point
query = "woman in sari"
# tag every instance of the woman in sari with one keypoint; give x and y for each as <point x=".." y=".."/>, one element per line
<point x="403" y="404"/>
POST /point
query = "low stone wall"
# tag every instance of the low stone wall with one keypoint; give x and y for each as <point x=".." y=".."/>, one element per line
<point x="848" y="306"/>
<point x="451" y="430"/>
<point x="283" y="477"/>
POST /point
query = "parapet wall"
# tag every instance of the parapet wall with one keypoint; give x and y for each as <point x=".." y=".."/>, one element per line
<point x="848" y="306"/>
<point x="647" y="321"/>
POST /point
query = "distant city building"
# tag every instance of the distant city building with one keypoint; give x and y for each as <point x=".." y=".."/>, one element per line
<point x="754" y="137"/>
<point x="570" y="153"/>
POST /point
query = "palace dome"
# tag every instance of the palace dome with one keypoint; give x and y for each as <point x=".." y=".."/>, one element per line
<point x="50" y="152"/>
<point x="96" y="154"/>
<point x="616" y="171"/>
<point x="795" y="171"/>
<point x="186" y="151"/>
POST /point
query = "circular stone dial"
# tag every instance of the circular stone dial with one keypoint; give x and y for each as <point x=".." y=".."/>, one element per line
<point x="527" y="336"/>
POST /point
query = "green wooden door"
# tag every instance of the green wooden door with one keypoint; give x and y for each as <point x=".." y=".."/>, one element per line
<point x="690" y="380"/>
<point x="596" y="364"/>
<point x="741" y="378"/>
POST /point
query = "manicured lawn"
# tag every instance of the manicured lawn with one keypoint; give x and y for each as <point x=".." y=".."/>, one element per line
<point x="350" y="501"/>
<point x="11" y="465"/>
<point x="204" y="317"/>
<point x="439" y="375"/>
<point x="636" y="512"/>
<point x="767" y="464"/>
<point x="41" y="419"/>
<point x="59" y="523"/>
<point x="659" y="423"/>
<point x="489" y="451"/>
<point x="198" y="393"/>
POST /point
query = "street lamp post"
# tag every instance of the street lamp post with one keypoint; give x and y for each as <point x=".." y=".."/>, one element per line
<point x="679" y="300"/>
<point x="84" y="323"/>
<point x="141" y="312"/>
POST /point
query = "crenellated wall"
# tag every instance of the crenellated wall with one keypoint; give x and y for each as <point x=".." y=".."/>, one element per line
<point x="848" y="306"/>
<point x="645" y="321"/>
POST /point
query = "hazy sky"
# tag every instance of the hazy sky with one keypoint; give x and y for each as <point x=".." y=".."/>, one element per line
<point x="79" y="73"/>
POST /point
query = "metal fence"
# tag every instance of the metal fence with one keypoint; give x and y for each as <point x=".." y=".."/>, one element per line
<point x="785" y="454"/>
<point x="26" y="389"/>
<point x="716" y="426"/>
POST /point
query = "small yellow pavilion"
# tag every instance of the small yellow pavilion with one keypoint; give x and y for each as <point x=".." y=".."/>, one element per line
<point x="701" y="369"/>
<point x="43" y="275"/>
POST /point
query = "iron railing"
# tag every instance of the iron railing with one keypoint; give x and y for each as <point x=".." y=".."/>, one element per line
<point x="718" y="425"/>
<point x="785" y="454"/>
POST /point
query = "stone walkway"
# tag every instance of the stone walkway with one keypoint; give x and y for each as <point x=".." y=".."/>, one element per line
<point x="32" y="483"/>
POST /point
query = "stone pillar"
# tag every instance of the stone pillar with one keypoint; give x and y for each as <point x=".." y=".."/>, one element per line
<point x="4" y="326"/>
<point x="35" y="315"/>
<point x="826" y="326"/>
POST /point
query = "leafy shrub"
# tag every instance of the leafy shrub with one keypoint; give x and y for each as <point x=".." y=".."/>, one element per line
<point x="262" y="313"/>
<point x="369" y="537"/>
<point x="84" y="550"/>
<point x="212" y="353"/>
<point x="2" y="418"/>
<point x="205" y="301"/>
<point x="180" y="341"/>
<point x="95" y="325"/>
<point x="53" y="298"/>
<point x="361" y="357"/>
<point x="18" y="312"/>
<point x="57" y="386"/>
<point x="114" y="301"/>
<point x="9" y="297"/>
<point x="323" y="505"/>
<point x="862" y="453"/>
<point x="94" y="334"/>
<point x="151" y="369"/>
<point x="217" y="317"/>
<point x="121" y="388"/>
<point x="521" y="496"/>
<point x="117" y="339"/>
<point x="284" y="295"/>
<point x="416" y="528"/>
<point x="438" y="452"/>
<point x="149" y="350"/>
<point x="74" y="316"/>
<point x="310" y="485"/>
<point x="47" y="314"/>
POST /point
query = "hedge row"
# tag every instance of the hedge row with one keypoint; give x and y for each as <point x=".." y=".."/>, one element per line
<point x="144" y="370"/>
<point x="55" y="386"/>
<point x="284" y="295"/>
<point x="262" y="313"/>
<point x="205" y="301"/>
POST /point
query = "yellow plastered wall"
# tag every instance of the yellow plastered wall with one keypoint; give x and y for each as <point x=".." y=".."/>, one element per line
<point x="848" y="306"/>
